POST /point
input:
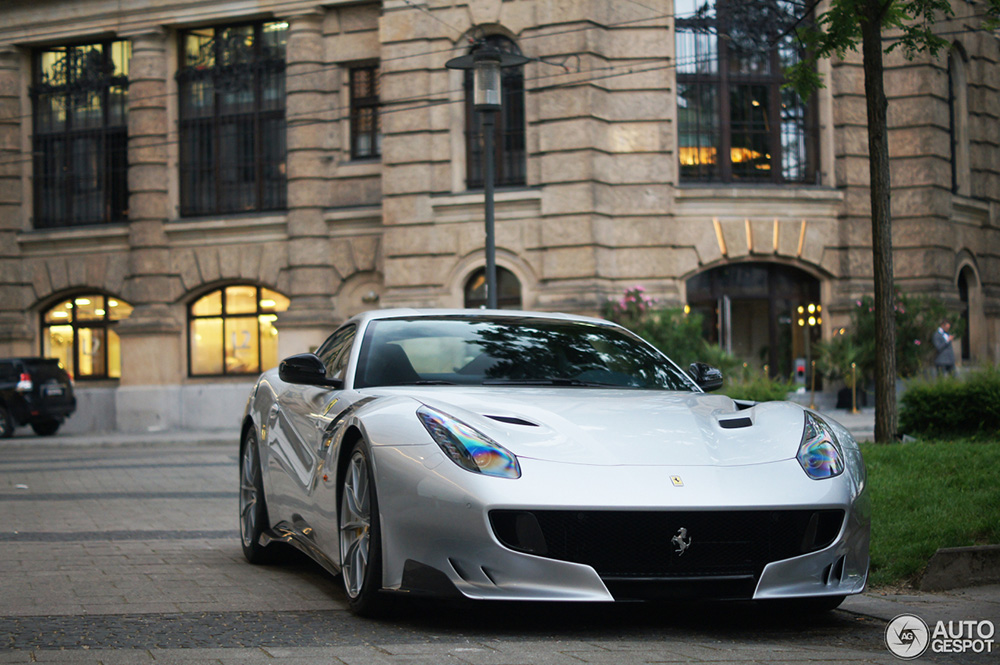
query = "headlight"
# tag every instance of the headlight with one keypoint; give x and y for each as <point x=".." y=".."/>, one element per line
<point x="819" y="453"/>
<point x="468" y="448"/>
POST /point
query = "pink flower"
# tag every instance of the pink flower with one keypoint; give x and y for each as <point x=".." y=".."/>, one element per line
<point x="858" y="303"/>
<point x="917" y="342"/>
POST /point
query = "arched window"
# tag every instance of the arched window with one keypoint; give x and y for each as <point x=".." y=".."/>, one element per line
<point x="80" y="332"/>
<point x="508" y="290"/>
<point x="510" y="156"/>
<point x="231" y="331"/>
<point x="958" y="115"/>
<point x="963" y="295"/>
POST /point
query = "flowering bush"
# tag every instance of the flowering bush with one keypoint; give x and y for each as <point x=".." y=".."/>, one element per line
<point x="669" y="329"/>
<point x="917" y="317"/>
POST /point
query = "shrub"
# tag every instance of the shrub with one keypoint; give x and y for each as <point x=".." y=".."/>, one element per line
<point x="917" y="317"/>
<point x="669" y="329"/>
<point x="759" y="388"/>
<point x="951" y="407"/>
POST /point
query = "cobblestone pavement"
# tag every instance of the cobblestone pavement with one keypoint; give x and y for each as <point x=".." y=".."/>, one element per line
<point x="130" y="554"/>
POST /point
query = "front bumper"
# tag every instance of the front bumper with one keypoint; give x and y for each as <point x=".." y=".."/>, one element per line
<point x="435" y="518"/>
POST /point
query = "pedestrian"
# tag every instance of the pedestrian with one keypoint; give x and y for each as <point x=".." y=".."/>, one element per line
<point x="944" y="362"/>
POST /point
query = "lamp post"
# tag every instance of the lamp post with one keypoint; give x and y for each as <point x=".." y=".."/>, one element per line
<point x="809" y="317"/>
<point x="486" y="61"/>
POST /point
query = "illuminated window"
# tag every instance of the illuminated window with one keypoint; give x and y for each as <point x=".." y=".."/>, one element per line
<point x="231" y="331"/>
<point x="79" y="96"/>
<point x="509" y="151"/>
<point x="80" y="332"/>
<point x="508" y="290"/>
<point x="736" y="123"/>
<point x="232" y="119"/>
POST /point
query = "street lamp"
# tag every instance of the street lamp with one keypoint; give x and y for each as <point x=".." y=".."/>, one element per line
<point x="486" y="61"/>
<point x="809" y="317"/>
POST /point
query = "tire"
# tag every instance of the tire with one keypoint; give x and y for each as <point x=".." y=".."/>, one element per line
<point x="253" y="506"/>
<point x="6" y="423"/>
<point x="46" y="427"/>
<point x="361" y="536"/>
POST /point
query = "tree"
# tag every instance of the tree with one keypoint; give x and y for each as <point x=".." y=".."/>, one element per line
<point x="843" y="27"/>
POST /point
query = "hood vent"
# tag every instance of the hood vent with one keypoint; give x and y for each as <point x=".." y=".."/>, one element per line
<point x="735" y="423"/>
<point x="511" y="420"/>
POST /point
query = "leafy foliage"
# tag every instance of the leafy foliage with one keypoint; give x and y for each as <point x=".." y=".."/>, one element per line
<point x="951" y="407"/>
<point x="838" y="30"/>
<point x="678" y="335"/>
<point x="917" y="317"/>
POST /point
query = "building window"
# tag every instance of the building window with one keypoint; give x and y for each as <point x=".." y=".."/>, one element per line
<point x="366" y="125"/>
<point x="958" y="116"/>
<point x="735" y="121"/>
<point x="508" y="290"/>
<point x="79" y="96"/>
<point x="510" y="156"/>
<point x="232" y="119"/>
<point x="80" y="332"/>
<point x="231" y="331"/>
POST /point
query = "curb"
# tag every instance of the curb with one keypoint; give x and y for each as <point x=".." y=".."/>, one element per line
<point x="957" y="567"/>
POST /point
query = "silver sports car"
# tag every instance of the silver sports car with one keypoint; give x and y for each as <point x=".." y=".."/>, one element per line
<point x="527" y="456"/>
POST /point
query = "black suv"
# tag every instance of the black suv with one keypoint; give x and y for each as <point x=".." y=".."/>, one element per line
<point x="36" y="392"/>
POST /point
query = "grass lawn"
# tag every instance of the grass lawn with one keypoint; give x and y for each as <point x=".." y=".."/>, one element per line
<point x="926" y="495"/>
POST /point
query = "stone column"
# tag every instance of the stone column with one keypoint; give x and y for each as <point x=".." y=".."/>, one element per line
<point x="15" y="330"/>
<point x="312" y="278"/>
<point x="148" y="396"/>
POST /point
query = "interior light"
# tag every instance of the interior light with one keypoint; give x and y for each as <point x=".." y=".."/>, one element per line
<point x="812" y="308"/>
<point x="99" y="312"/>
<point x="82" y="301"/>
<point x="802" y="322"/>
<point x="801" y="309"/>
<point x="112" y="303"/>
<point x="812" y="320"/>
<point x="60" y="315"/>
<point x="267" y="302"/>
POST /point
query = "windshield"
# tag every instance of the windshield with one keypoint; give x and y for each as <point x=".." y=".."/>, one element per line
<point x="510" y="351"/>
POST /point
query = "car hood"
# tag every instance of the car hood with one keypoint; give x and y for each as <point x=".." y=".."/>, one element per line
<point x="625" y="427"/>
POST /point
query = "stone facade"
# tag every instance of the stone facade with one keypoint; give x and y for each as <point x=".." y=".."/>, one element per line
<point x="603" y="208"/>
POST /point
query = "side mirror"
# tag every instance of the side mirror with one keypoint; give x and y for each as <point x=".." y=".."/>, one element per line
<point x="707" y="377"/>
<point x="308" y="369"/>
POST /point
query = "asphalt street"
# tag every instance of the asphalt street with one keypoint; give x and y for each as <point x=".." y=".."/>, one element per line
<point x="125" y="549"/>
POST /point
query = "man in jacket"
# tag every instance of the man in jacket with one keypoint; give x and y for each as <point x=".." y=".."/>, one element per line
<point x="945" y="360"/>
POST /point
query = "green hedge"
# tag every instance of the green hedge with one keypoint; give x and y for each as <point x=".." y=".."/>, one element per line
<point x="953" y="407"/>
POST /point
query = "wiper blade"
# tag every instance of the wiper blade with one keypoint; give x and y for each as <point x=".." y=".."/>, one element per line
<point x="431" y="382"/>
<point x="549" y="382"/>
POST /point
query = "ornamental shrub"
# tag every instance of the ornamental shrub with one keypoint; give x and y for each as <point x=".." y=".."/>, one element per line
<point x="951" y="407"/>
<point x="917" y="317"/>
<point x="679" y="336"/>
<point x="669" y="329"/>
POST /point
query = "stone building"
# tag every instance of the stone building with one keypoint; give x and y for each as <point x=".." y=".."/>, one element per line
<point x="190" y="191"/>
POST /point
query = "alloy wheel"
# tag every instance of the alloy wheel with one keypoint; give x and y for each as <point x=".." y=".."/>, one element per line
<point x="355" y="524"/>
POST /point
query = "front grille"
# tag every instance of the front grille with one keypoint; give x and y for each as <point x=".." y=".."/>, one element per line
<point x="624" y="545"/>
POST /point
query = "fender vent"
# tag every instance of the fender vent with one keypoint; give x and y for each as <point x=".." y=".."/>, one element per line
<point x="512" y="420"/>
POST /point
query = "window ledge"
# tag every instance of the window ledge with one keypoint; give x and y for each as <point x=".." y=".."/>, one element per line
<point x="197" y="231"/>
<point x="75" y="240"/>
<point x="509" y="204"/>
<point x="784" y="201"/>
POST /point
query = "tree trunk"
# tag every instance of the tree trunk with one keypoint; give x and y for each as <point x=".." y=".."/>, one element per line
<point x="878" y="161"/>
